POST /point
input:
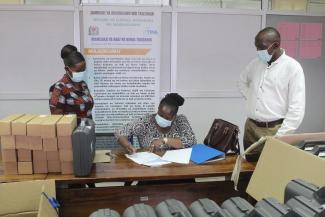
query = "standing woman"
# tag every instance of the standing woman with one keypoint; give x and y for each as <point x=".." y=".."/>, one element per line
<point x="71" y="95"/>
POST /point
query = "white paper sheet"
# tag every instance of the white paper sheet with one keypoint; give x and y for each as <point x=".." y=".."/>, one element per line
<point x="142" y="157"/>
<point x="147" y="158"/>
<point x="156" y="163"/>
<point x="181" y="156"/>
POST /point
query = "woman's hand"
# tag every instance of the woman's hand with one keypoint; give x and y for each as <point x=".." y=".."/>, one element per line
<point x="130" y="149"/>
<point x="123" y="140"/>
<point x="156" y="144"/>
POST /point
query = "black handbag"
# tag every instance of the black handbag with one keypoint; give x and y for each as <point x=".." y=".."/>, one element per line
<point x="223" y="136"/>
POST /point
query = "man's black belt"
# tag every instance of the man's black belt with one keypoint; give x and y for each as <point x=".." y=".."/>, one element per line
<point x="269" y="124"/>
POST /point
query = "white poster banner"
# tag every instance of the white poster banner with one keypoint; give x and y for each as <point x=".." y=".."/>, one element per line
<point x="122" y="48"/>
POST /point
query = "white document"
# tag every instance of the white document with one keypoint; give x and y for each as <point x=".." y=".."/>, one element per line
<point x="156" y="163"/>
<point x="181" y="156"/>
<point x="142" y="157"/>
<point x="147" y="158"/>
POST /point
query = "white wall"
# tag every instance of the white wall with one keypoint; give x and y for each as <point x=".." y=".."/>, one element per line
<point x="212" y="50"/>
<point x="30" y="46"/>
<point x="202" y="111"/>
<point x="34" y="106"/>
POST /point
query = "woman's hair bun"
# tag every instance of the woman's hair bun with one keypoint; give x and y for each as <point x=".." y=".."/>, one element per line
<point x="175" y="97"/>
<point x="67" y="50"/>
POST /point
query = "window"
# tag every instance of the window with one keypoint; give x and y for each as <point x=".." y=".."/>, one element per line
<point x="49" y="2"/>
<point x="12" y="2"/>
<point x="301" y="39"/>
<point x="297" y="5"/>
<point x="241" y="4"/>
<point x="37" y="2"/>
<point x="137" y="2"/>
<point x="316" y="5"/>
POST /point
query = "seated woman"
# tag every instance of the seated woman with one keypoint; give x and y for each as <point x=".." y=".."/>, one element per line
<point x="163" y="130"/>
<point x="71" y="95"/>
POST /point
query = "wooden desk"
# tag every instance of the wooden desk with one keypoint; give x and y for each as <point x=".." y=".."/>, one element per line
<point x="82" y="202"/>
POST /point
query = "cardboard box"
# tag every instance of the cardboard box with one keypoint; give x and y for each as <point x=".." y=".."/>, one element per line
<point x="19" y="126"/>
<point x="24" y="155"/>
<point x="66" y="155"/>
<point x="22" y="199"/>
<point x="49" y="126"/>
<point x="50" y="144"/>
<point x="25" y="168"/>
<point x="34" y="126"/>
<point x="40" y="167"/>
<point x="67" y="167"/>
<point x="39" y="155"/>
<point x="54" y="166"/>
<point x="21" y="142"/>
<point x="10" y="168"/>
<point x="280" y="163"/>
<point x="5" y="124"/>
<point x="8" y="142"/>
<point x="9" y="155"/>
<point x="66" y="125"/>
<point x="65" y="142"/>
<point x="52" y="155"/>
<point x="35" y="142"/>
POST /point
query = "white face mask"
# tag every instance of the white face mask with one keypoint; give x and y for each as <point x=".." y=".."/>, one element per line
<point x="162" y="122"/>
<point x="264" y="55"/>
<point x="78" y="76"/>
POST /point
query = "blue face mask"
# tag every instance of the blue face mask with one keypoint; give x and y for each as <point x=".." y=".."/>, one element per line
<point x="162" y="122"/>
<point x="264" y="55"/>
<point x="78" y="76"/>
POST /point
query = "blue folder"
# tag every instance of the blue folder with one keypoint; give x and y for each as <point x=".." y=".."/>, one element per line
<point x="202" y="153"/>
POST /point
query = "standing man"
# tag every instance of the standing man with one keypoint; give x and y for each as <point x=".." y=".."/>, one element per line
<point x="273" y="85"/>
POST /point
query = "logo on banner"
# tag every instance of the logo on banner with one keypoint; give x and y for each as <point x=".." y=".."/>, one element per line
<point x="93" y="30"/>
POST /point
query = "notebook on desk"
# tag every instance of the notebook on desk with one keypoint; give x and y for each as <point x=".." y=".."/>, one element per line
<point x="202" y="154"/>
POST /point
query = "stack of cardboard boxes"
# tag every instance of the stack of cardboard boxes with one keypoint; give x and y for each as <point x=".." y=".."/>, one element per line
<point x="65" y="128"/>
<point x="8" y="145"/>
<point x="37" y="144"/>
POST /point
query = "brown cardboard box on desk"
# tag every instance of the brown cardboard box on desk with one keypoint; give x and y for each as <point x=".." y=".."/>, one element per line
<point x="280" y="163"/>
<point x="24" y="155"/>
<point x="8" y="142"/>
<point x="10" y="168"/>
<point x="34" y="126"/>
<point x="65" y="142"/>
<point x="21" y="142"/>
<point x="35" y="142"/>
<point x="50" y="144"/>
<point x="37" y="136"/>
<point x="9" y="161"/>
<point x="5" y="124"/>
<point x="5" y="130"/>
<point x="66" y="125"/>
<point x="48" y="126"/>
<point x="19" y="126"/>
<point x="39" y="161"/>
<point x="25" y="168"/>
<point x="25" y="199"/>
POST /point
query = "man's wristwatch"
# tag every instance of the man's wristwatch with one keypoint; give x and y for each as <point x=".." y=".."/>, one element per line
<point x="165" y="140"/>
